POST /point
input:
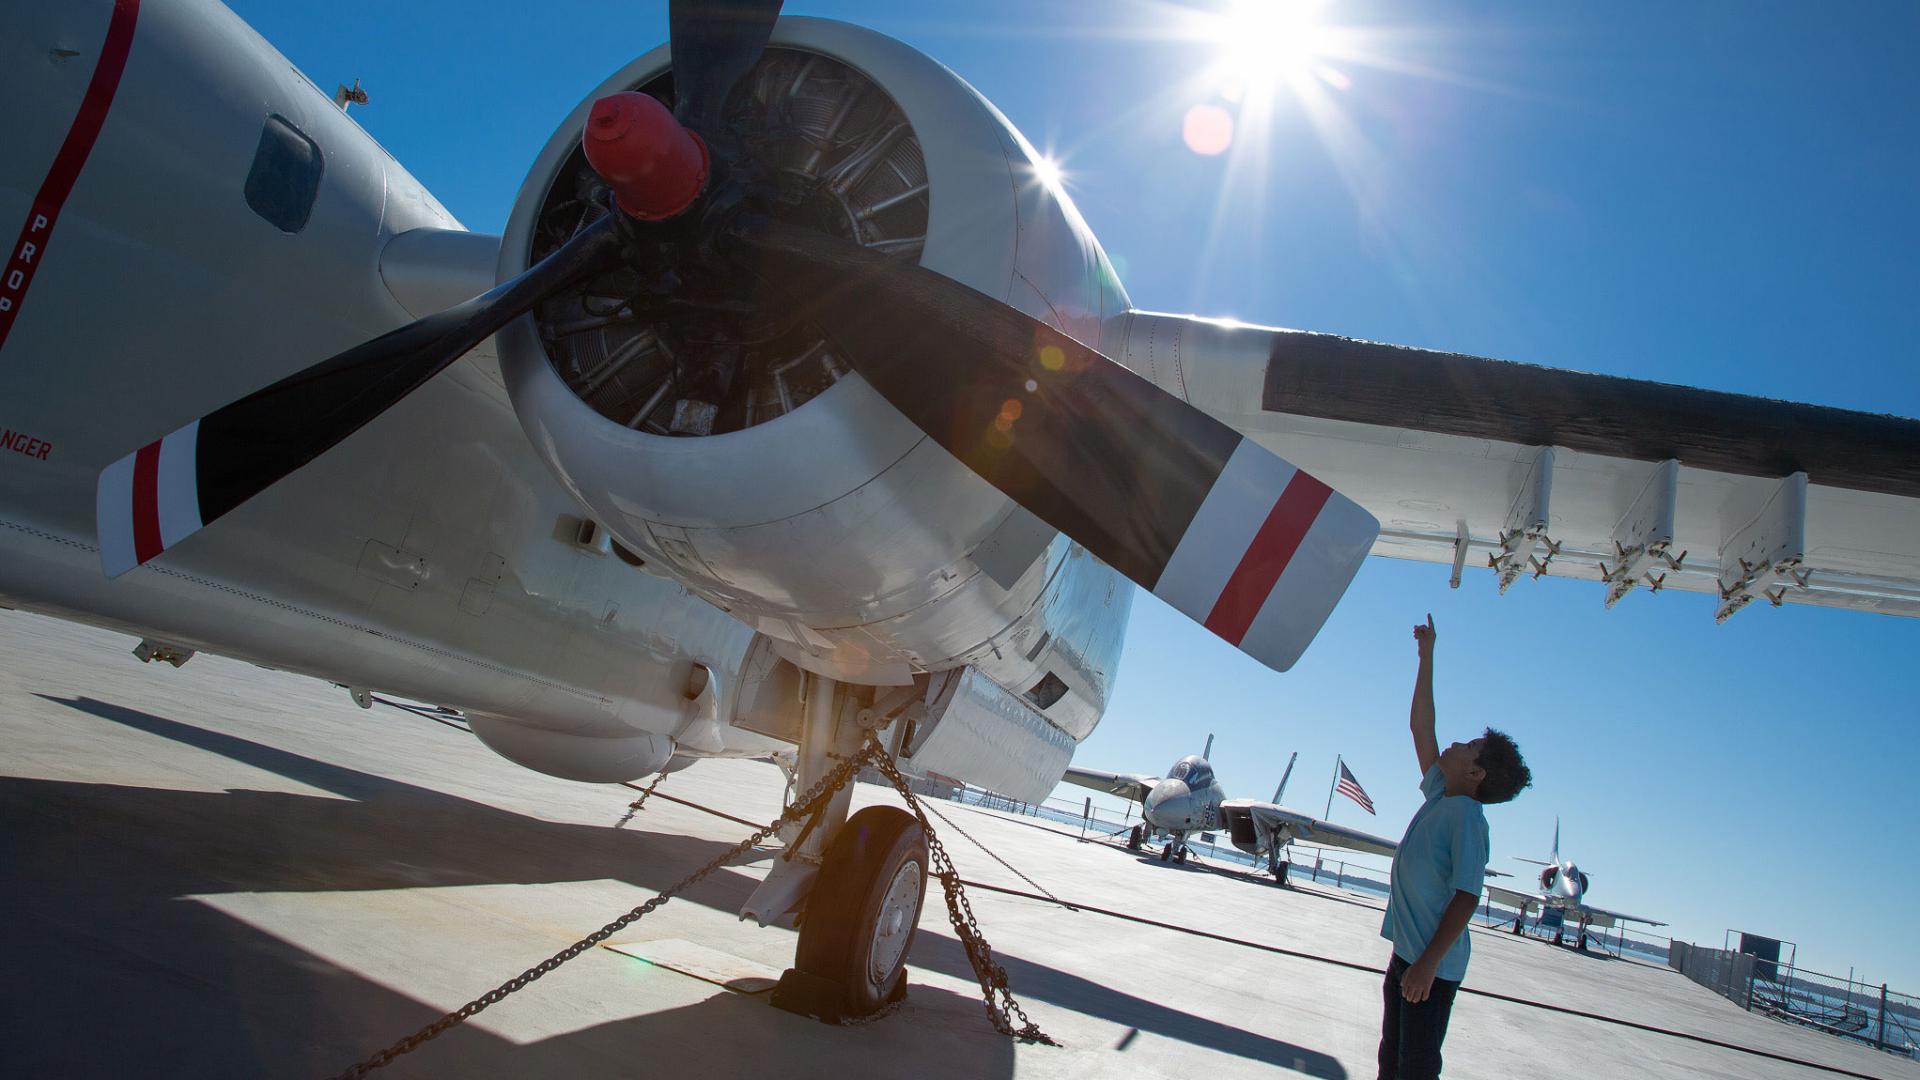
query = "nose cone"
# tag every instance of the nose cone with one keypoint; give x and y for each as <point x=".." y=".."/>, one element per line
<point x="1170" y="805"/>
<point x="654" y="166"/>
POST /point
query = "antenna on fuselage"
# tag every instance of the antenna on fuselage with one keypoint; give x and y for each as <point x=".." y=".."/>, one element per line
<point x="1208" y="752"/>
<point x="348" y="96"/>
<point x="1284" y="775"/>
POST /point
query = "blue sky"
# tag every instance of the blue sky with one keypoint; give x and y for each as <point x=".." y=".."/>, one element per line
<point x="1720" y="194"/>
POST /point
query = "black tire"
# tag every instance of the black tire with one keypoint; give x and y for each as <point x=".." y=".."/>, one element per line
<point x="1180" y="855"/>
<point x="1135" y="839"/>
<point x="840" y="932"/>
<point x="1166" y="853"/>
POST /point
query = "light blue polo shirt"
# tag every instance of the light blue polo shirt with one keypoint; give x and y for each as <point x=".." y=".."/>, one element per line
<point x="1445" y="851"/>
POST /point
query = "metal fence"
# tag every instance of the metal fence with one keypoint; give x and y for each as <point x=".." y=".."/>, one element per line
<point x="1618" y="941"/>
<point x="1875" y="1015"/>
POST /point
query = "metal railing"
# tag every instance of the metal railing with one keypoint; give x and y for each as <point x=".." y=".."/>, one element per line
<point x="1874" y="1015"/>
<point x="1618" y="941"/>
<point x="1094" y="822"/>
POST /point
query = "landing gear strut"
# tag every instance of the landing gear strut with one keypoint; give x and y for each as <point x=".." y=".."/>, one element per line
<point x="853" y="885"/>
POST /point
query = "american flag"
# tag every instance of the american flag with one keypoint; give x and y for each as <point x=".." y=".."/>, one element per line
<point x="1351" y="788"/>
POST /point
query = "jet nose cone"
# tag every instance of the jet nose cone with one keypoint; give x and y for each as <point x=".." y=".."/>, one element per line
<point x="1166" y="791"/>
<point x="1167" y="803"/>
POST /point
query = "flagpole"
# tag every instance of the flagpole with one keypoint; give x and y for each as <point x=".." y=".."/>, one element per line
<point x="1328" y="816"/>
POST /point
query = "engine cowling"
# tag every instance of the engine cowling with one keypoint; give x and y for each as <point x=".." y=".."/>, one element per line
<point x="812" y="509"/>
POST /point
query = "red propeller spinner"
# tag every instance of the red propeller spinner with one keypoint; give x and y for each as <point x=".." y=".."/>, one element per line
<point x="655" y="166"/>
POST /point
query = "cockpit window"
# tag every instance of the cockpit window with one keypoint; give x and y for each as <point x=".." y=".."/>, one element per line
<point x="285" y="178"/>
<point x="1192" y="771"/>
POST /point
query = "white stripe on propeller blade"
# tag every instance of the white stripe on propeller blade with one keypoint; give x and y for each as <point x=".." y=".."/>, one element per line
<point x="1267" y="556"/>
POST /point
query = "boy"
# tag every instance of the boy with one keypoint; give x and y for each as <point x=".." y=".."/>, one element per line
<point x="1437" y="874"/>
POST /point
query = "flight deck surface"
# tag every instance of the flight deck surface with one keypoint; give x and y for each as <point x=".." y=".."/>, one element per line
<point x="226" y="871"/>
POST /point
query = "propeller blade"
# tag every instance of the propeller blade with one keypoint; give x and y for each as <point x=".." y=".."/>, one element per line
<point x="170" y="488"/>
<point x="1240" y="541"/>
<point x="715" y="43"/>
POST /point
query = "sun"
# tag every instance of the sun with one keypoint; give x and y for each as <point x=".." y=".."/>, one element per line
<point x="1264" y="44"/>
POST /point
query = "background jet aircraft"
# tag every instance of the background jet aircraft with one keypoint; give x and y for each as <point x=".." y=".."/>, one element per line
<point x="1188" y="799"/>
<point x="1563" y="888"/>
<point x="794" y="402"/>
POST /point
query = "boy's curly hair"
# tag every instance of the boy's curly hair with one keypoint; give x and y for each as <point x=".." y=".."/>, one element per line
<point x="1507" y="771"/>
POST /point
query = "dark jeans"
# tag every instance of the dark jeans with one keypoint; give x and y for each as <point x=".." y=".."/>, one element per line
<point x="1411" y="1034"/>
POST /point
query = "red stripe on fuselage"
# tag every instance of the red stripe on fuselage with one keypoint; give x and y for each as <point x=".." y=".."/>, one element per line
<point x="1267" y="557"/>
<point x="146" y="502"/>
<point x="30" y="250"/>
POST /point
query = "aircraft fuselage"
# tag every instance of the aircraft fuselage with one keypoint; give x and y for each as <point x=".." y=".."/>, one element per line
<point x="228" y="225"/>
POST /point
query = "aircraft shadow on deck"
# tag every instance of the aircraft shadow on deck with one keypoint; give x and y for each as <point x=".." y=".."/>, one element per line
<point x="115" y="973"/>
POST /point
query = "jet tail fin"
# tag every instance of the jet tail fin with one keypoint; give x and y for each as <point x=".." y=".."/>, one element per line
<point x="1283" y="776"/>
<point x="1556" y="837"/>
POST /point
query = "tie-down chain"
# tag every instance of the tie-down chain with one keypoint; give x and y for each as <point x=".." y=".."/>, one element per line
<point x="1000" y="1004"/>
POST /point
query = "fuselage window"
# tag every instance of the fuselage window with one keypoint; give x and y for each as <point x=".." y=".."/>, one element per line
<point x="1047" y="691"/>
<point x="285" y="178"/>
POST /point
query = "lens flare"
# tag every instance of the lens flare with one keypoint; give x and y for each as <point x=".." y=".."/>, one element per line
<point x="1207" y="130"/>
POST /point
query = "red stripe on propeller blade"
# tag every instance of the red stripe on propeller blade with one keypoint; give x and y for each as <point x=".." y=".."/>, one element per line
<point x="146" y="502"/>
<point x="1267" y="557"/>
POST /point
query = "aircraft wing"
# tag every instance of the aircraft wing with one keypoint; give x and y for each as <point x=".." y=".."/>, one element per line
<point x="1126" y="785"/>
<point x="1514" y="899"/>
<point x="1531" y="470"/>
<point x="1603" y="917"/>
<point x="1307" y="829"/>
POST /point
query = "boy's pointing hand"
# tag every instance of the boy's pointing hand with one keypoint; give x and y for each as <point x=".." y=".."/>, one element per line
<point x="1423" y="636"/>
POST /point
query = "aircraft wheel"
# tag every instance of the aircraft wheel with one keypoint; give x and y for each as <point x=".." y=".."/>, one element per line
<point x="1166" y="853"/>
<point x="1135" y="839"/>
<point x="1180" y="856"/>
<point x="1280" y="873"/>
<point x="864" y="909"/>
<point x="1518" y="922"/>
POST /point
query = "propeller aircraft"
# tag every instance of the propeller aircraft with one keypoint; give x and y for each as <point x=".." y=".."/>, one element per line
<point x="792" y="404"/>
